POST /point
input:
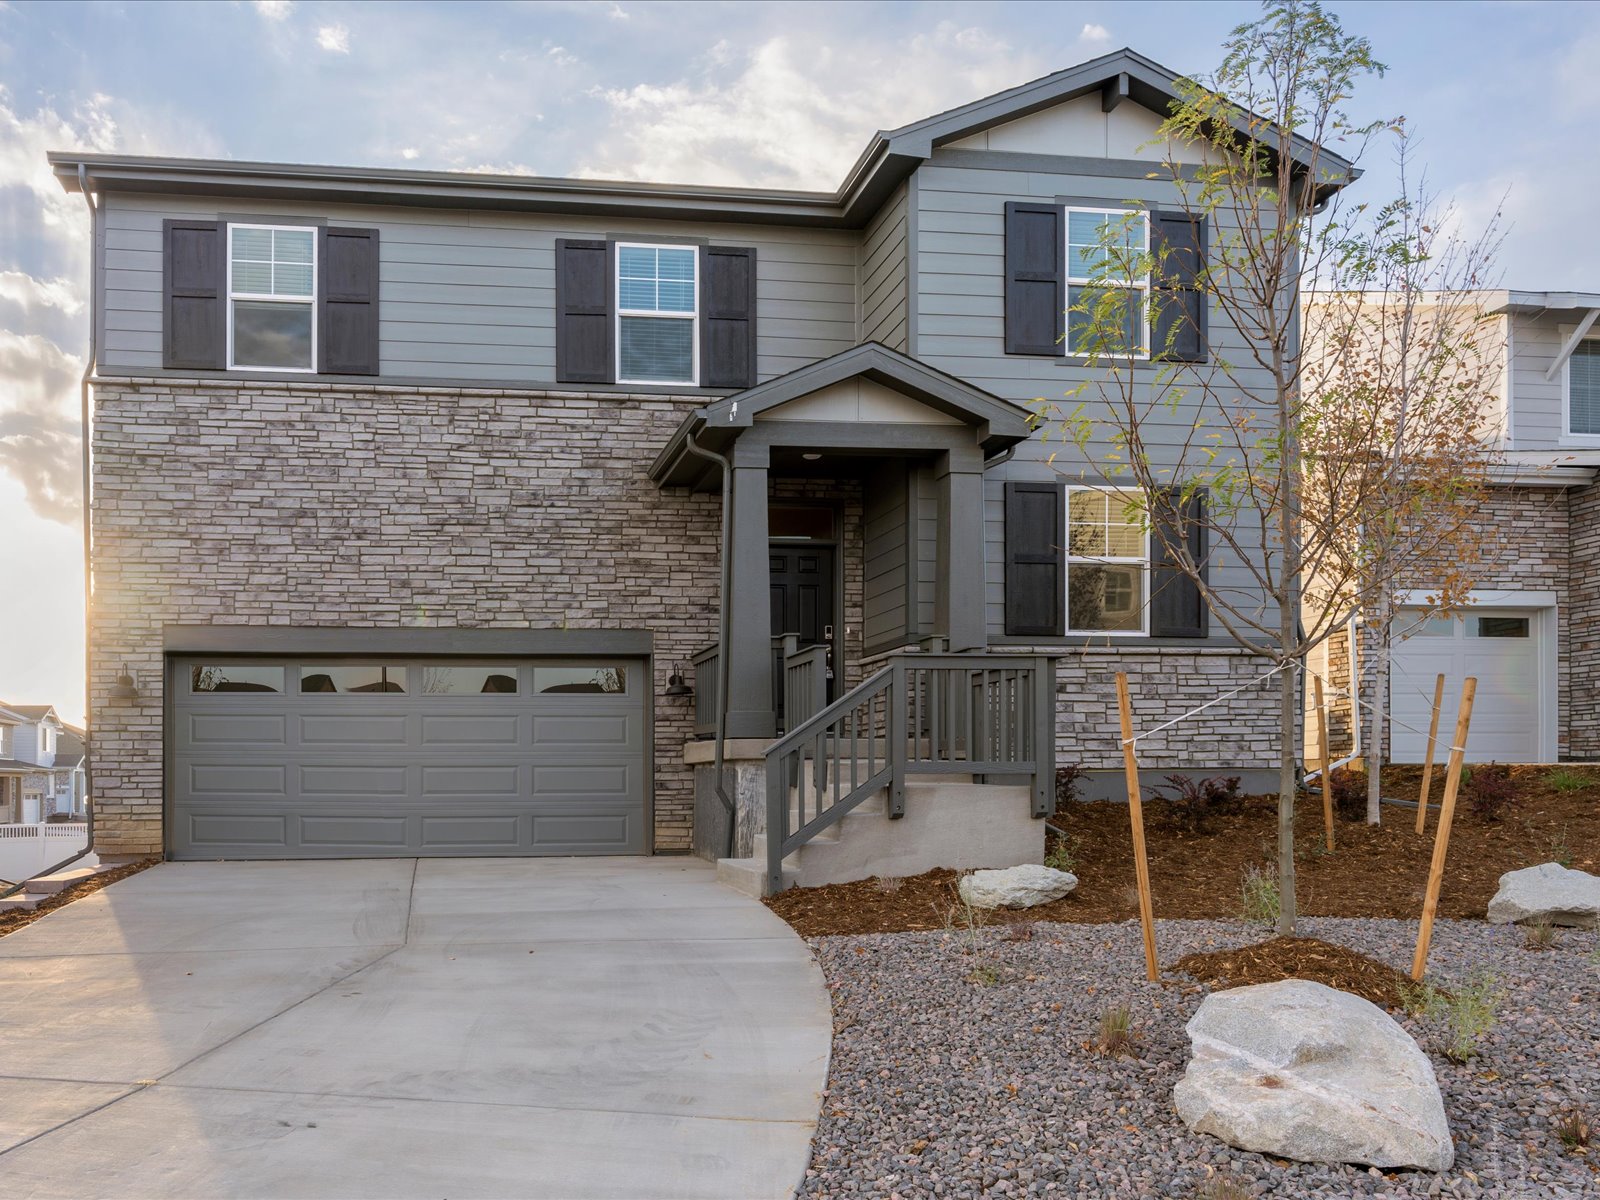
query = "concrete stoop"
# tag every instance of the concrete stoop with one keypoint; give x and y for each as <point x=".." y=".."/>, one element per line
<point x="951" y="822"/>
<point x="37" y="890"/>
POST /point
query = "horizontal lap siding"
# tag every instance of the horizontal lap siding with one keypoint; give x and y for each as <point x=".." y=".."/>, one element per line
<point x="471" y="296"/>
<point x="960" y="318"/>
<point x="884" y="574"/>
<point x="1536" y="402"/>
<point x="883" y="275"/>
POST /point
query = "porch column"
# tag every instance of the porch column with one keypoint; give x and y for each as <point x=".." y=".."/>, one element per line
<point x="958" y="599"/>
<point x="749" y="647"/>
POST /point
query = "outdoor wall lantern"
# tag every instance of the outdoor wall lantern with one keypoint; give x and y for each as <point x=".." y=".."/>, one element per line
<point x="676" y="686"/>
<point x="123" y="689"/>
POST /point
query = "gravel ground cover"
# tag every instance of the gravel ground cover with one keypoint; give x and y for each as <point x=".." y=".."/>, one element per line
<point x="964" y="1064"/>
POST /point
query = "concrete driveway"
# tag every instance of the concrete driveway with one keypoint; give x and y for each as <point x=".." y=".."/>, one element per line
<point x="442" y="1028"/>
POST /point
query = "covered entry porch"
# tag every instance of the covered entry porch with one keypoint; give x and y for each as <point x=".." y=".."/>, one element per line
<point x="853" y="527"/>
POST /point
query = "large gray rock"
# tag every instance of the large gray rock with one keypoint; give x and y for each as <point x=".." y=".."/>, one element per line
<point x="1303" y="1071"/>
<point x="1548" y="892"/>
<point x="1015" y="887"/>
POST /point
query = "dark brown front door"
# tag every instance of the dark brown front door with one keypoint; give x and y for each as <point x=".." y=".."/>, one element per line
<point x="802" y="593"/>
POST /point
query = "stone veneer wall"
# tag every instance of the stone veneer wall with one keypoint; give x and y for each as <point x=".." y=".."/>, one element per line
<point x="373" y="505"/>
<point x="1241" y="731"/>
<point x="1580" y="649"/>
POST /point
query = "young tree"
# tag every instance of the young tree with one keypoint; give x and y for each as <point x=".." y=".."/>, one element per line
<point x="1278" y="473"/>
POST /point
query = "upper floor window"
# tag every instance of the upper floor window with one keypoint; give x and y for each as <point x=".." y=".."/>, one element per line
<point x="272" y="297"/>
<point x="1583" y="389"/>
<point x="1108" y="561"/>
<point x="1108" y="282"/>
<point x="657" y="295"/>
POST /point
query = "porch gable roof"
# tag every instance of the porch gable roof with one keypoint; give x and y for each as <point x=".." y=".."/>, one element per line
<point x="996" y="423"/>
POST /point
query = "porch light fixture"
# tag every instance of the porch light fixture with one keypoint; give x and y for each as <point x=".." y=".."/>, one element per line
<point x="123" y="689"/>
<point x="675" y="683"/>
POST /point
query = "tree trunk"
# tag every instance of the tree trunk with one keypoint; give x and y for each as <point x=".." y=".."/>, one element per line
<point x="1382" y="620"/>
<point x="1288" y="714"/>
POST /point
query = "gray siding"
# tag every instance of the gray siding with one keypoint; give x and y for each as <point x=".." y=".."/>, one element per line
<point x="883" y="625"/>
<point x="1537" y="407"/>
<point x="471" y="295"/>
<point x="959" y="297"/>
<point x="884" y="278"/>
<point x="926" y="498"/>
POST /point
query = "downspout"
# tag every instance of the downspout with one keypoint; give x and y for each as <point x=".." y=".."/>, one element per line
<point x="83" y="390"/>
<point x="721" y="733"/>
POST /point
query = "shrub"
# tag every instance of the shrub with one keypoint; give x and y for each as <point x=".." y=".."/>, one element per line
<point x="1541" y="935"/>
<point x="1349" y="790"/>
<point x="1261" y="901"/>
<point x="1116" y="1031"/>
<point x="1575" y="1132"/>
<point x="1490" y="791"/>
<point x="1063" y="853"/>
<point x="887" y="884"/>
<point x="984" y="976"/>
<point x="1223" y="1187"/>
<point x="1193" y="800"/>
<point x="1460" y="1018"/>
<point x="1565" y="780"/>
<point x="1560" y="852"/>
<point x="1069" y="783"/>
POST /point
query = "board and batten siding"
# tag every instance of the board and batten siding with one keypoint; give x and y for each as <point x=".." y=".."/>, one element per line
<point x="959" y="296"/>
<point x="470" y="295"/>
<point x="884" y="278"/>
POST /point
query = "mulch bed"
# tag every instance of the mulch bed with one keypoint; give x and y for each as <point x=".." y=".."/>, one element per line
<point x="1375" y="871"/>
<point x="15" y="919"/>
<point x="1300" y="958"/>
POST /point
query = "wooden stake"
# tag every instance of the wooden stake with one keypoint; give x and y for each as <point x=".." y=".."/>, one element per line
<point x="1427" y="758"/>
<point x="1441" y="835"/>
<point x="1322" y="749"/>
<point x="1141" y="866"/>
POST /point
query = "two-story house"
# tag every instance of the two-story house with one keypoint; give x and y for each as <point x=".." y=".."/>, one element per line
<point x="1531" y="633"/>
<point x="43" y="759"/>
<point x="415" y="495"/>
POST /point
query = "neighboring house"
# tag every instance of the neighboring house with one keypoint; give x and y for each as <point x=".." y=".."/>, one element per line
<point x="46" y="769"/>
<point x="1531" y="635"/>
<point x="72" y="778"/>
<point x="407" y="496"/>
<point x="12" y="770"/>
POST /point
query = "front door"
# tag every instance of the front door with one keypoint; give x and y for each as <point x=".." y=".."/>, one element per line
<point x="802" y="593"/>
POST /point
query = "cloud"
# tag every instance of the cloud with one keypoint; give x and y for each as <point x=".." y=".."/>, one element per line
<point x="334" y="38"/>
<point x="1094" y="33"/>
<point x="409" y="153"/>
<point x="38" y="423"/>
<point x="26" y="292"/>
<point x="561" y="56"/>
<point x="274" y="10"/>
<point x="796" y="109"/>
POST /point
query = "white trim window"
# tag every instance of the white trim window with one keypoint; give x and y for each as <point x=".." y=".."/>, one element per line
<point x="658" y="324"/>
<point x="272" y="298"/>
<point x="1583" y="389"/>
<point x="1108" y="562"/>
<point x="1101" y="244"/>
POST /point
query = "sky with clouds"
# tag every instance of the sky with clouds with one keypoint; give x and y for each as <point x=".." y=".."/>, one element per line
<point x="779" y="94"/>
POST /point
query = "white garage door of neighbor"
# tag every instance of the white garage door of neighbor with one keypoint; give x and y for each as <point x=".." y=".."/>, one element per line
<point x="1504" y="649"/>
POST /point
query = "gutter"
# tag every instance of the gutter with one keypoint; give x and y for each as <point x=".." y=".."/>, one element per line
<point x="84" y="398"/>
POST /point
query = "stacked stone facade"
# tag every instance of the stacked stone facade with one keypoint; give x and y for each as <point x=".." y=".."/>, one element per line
<point x="1580" y="646"/>
<point x="370" y="505"/>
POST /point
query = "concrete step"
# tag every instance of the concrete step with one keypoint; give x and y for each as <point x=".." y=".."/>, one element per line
<point x="50" y="885"/>
<point x="749" y="875"/>
<point x="22" y="902"/>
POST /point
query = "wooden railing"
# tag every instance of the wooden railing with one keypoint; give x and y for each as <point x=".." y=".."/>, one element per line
<point x="988" y="715"/>
<point x="799" y="683"/>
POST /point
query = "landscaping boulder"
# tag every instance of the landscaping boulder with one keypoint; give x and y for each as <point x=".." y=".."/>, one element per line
<point x="1303" y="1071"/>
<point x="1548" y="892"/>
<point x="1016" y="887"/>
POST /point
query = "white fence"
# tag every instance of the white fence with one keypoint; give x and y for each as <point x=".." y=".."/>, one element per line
<point x="25" y="850"/>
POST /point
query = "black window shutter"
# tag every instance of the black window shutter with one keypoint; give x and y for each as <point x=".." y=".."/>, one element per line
<point x="1036" y="563"/>
<point x="1178" y="246"/>
<point x="347" y="302"/>
<point x="1177" y="609"/>
<point x="194" y="319"/>
<point x="585" y="348"/>
<point x="727" y="317"/>
<point x="1036" y="274"/>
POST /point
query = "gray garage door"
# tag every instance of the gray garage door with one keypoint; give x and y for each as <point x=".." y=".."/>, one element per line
<point x="306" y="758"/>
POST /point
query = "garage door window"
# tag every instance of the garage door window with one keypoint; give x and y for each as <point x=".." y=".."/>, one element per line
<point x="467" y="681"/>
<point x="1499" y="627"/>
<point x="235" y="677"/>
<point x="608" y="678"/>
<point x="377" y="678"/>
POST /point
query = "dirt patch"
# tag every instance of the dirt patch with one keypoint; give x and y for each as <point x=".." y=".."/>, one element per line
<point x="1374" y="871"/>
<point x="14" y="920"/>
<point x="1299" y="958"/>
